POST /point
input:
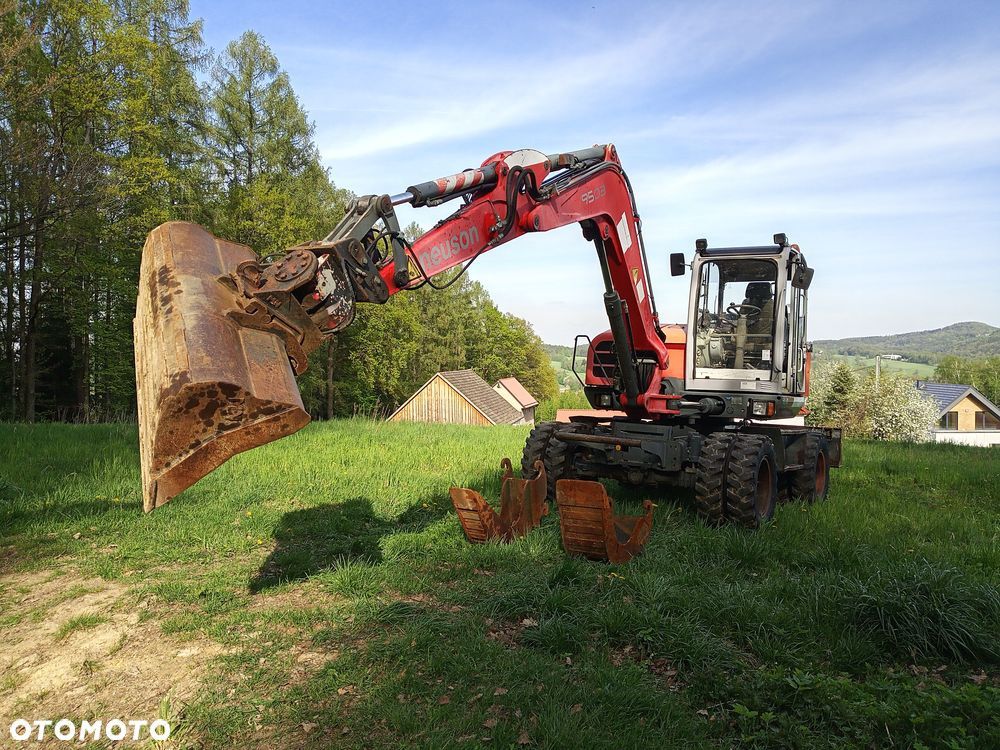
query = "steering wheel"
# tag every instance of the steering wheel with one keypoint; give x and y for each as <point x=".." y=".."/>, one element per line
<point x="719" y="322"/>
<point x="743" y="309"/>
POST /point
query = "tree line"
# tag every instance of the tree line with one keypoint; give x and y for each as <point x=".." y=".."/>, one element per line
<point x="115" y="117"/>
<point x="982" y="374"/>
<point x="390" y="350"/>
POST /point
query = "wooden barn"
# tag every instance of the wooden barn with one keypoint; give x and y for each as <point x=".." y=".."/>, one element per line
<point x="457" y="397"/>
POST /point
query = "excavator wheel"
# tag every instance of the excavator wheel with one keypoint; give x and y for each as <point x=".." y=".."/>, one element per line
<point x="559" y="455"/>
<point x="751" y="480"/>
<point x="708" y="488"/>
<point x="535" y="447"/>
<point x="812" y="482"/>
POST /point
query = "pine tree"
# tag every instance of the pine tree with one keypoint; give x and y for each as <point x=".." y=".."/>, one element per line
<point x="841" y="390"/>
<point x="105" y="133"/>
<point x="274" y="192"/>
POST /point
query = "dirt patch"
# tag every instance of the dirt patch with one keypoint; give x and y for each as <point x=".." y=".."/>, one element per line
<point x="78" y="647"/>
<point x="303" y="595"/>
<point x="507" y="632"/>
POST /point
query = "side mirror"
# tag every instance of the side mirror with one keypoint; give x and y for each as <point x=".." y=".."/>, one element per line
<point x="677" y="264"/>
<point x="802" y="277"/>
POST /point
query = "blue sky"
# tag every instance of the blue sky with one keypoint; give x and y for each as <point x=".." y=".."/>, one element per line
<point x="868" y="132"/>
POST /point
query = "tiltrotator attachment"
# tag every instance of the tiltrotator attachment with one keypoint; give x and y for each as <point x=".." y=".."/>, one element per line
<point x="590" y="528"/>
<point x="522" y="505"/>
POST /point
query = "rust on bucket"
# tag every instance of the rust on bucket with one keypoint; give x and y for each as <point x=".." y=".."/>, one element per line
<point x="207" y="387"/>
<point x="522" y="505"/>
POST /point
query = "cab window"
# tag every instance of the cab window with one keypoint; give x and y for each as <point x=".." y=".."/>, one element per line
<point x="734" y="325"/>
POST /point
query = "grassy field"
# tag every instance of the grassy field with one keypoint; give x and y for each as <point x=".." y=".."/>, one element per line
<point x="915" y="370"/>
<point x="319" y="593"/>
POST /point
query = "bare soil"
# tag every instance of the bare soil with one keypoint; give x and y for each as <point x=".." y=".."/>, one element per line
<point x="78" y="648"/>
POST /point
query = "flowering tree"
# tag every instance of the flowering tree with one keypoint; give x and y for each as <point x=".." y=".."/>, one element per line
<point x="895" y="410"/>
<point x="892" y="409"/>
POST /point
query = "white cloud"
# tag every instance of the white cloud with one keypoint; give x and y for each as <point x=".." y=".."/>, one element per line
<point x="589" y="70"/>
<point x="874" y="132"/>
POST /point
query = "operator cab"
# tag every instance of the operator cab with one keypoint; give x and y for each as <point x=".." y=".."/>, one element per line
<point x="747" y="323"/>
<point x="734" y="323"/>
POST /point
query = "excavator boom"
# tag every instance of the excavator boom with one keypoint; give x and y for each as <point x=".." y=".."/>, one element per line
<point x="220" y="336"/>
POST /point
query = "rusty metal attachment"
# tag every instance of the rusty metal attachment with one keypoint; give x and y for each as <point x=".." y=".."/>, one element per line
<point x="590" y="528"/>
<point x="208" y="385"/>
<point x="522" y="505"/>
<point x="220" y="335"/>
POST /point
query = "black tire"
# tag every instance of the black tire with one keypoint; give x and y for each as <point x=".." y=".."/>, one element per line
<point x="811" y="483"/>
<point x="708" y="491"/>
<point x="559" y="456"/>
<point x="751" y="481"/>
<point x="535" y="447"/>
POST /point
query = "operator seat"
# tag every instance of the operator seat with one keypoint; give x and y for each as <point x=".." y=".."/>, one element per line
<point x="759" y="294"/>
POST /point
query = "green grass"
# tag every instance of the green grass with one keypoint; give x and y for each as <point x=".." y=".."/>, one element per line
<point x="80" y="622"/>
<point x="868" y="621"/>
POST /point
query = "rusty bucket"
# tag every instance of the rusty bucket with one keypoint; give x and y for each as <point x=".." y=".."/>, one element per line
<point x="590" y="528"/>
<point x="207" y="387"/>
<point x="522" y="505"/>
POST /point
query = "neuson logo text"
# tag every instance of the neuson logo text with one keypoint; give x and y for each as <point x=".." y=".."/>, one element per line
<point x="449" y="248"/>
<point x="116" y="730"/>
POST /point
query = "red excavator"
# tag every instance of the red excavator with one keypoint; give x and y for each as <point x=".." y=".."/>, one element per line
<point x="220" y="335"/>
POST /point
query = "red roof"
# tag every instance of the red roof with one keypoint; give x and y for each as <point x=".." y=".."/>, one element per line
<point x="518" y="391"/>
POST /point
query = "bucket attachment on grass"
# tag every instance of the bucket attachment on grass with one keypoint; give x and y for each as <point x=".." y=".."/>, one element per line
<point x="208" y="386"/>
<point x="590" y="528"/>
<point x="522" y="505"/>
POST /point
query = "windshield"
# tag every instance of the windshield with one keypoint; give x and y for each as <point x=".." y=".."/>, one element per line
<point x="734" y="323"/>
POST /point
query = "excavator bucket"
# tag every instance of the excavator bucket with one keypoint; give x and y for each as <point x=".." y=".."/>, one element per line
<point x="208" y="387"/>
<point x="590" y="528"/>
<point x="522" y="505"/>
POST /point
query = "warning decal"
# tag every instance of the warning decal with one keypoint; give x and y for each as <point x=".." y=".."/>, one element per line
<point x="624" y="235"/>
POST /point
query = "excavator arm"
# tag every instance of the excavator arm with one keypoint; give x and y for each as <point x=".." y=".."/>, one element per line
<point x="220" y="334"/>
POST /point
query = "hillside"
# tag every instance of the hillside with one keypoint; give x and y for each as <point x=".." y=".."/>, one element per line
<point x="561" y="358"/>
<point x="969" y="340"/>
<point x="921" y="350"/>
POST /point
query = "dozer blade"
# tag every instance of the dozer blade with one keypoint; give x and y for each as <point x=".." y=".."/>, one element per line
<point x="208" y="388"/>
<point x="590" y="528"/>
<point x="522" y="505"/>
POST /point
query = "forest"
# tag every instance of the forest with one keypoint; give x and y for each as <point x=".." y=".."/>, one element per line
<point x="115" y="117"/>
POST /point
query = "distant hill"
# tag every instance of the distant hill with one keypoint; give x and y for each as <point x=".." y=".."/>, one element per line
<point x="920" y="349"/>
<point x="971" y="340"/>
<point x="562" y="361"/>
